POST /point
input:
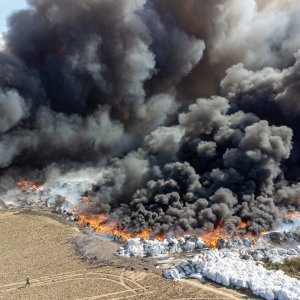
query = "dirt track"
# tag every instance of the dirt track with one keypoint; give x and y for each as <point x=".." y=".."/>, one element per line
<point x="39" y="246"/>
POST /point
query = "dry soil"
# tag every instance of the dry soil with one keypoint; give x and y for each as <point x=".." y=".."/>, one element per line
<point x="41" y="246"/>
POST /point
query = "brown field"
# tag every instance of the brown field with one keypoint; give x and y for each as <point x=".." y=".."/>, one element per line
<point x="40" y="246"/>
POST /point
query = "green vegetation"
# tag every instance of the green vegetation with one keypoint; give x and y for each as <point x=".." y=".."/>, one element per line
<point x="290" y="267"/>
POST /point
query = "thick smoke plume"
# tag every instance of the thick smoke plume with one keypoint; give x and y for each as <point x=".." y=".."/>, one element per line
<point x="185" y="113"/>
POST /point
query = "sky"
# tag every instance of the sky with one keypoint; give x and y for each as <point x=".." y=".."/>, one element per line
<point x="6" y="8"/>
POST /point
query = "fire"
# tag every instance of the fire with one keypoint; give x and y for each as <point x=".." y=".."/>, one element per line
<point x="101" y="224"/>
<point x="293" y="215"/>
<point x="243" y="225"/>
<point x="161" y="237"/>
<point x="212" y="238"/>
<point x="104" y="227"/>
<point x="85" y="204"/>
<point x="29" y="186"/>
<point x="263" y="233"/>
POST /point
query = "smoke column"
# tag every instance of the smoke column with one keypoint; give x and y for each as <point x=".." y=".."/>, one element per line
<point x="185" y="113"/>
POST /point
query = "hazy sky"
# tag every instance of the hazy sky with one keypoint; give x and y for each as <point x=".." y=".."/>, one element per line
<point x="6" y="8"/>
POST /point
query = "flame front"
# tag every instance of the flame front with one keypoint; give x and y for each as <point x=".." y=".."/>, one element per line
<point x="29" y="186"/>
<point x="293" y="215"/>
<point x="212" y="238"/>
<point x="102" y="226"/>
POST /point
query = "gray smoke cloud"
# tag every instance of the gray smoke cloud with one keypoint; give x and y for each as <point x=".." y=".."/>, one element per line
<point x="124" y="90"/>
<point x="226" y="169"/>
<point x="89" y="76"/>
<point x="277" y="88"/>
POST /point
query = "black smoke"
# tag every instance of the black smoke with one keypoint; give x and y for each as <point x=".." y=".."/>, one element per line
<point x="126" y="87"/>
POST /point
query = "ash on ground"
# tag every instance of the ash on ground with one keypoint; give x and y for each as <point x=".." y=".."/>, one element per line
<point x="102" y="250"/>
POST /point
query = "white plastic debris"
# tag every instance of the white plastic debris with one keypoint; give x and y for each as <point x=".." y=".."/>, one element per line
<point x="121" y="251"/>
<point x="173" y="245"/>
<point x="189" y="246"/>
<point x="197" y="276"/>
<point x="282" y="251"/>
<point x="200" y="243"/>
<point x="172" y="274"/>
<point x="154" y="248"/>
<point x="258" y="256"/>
<point x="229" y="269"/>
<point x="143" y="247"/>
<point x="134" y="247"/>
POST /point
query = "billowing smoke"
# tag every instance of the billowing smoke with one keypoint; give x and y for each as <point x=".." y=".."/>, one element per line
<point x="88" y="77"/>
<point x="125" y="90"/>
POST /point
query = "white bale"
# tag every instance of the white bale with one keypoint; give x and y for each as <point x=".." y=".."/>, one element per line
<point x="197" y="276"/>
<point x="241" y="283"/>
<point x="165" y="243"/>
<point x="188" y="246"/>
<point x="134" y="247"/>
<point x="181" y="240"/>
<point x="275" y="260"/>
<point x="219" y="278"/>
<point x="188" y="270"/>
<point x="258" y="256"/>
<point x="121" y="251"/>
<point x="227" y="270"/>
<point x="153" y="248"/>
<point x="174" y="245"/>
<point x="226" y="280"/>
<point x="292" y="252"/>
<point x="200" y="243"/>
<point x="247" y="242"/>
<point x="281" y="295"/>
<point x="282" y="251"/>
<point x="172" y="274"/>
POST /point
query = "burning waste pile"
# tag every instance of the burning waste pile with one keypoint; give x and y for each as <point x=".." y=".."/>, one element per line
<point x="142" y="118"/>
<point x="234" y="262"/>
<point x="246" y="248"/>
<point x="144" y="248"/>
<point x="28" y="195"/>
<point x="156" y="142"/>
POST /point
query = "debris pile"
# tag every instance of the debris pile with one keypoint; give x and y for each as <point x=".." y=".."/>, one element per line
<point x="229" y="269"/>
<point x="33" y="197"/>
<point x="188" y="243"/>
<point x="272" y="255"/>
<point x="143" y="247"/>
<point x="283" y="238"/>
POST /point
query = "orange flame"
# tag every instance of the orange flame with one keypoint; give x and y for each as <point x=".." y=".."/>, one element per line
<point x="263" y="233"/>
<point x="294" y="215"/>
<point x="103" y="227"/>
<point x="212" y="238"/>
<point x="29" y="186"/>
